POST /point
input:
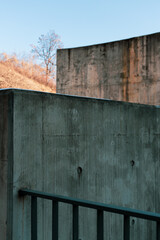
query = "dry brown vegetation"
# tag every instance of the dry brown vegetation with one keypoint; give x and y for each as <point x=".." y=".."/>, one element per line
<point x="23" y="73"/>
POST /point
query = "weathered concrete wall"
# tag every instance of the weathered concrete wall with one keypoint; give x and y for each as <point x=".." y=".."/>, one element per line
<point x="116" y="144"/>
<point x="6" y="160"/>
<point x="125" y="70"/>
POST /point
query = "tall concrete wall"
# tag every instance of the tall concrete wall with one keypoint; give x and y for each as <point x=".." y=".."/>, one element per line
<point x="6" y="161"/>
<point x="46" y="137"/>
<point x="125" y="70"/>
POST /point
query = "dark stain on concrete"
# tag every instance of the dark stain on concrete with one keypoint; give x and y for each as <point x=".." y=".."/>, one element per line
<point x="126" y="70"/>
<point x="69" y="59"/>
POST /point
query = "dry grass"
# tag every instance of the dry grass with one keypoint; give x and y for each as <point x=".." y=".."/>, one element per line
<point x="22" y="73"/>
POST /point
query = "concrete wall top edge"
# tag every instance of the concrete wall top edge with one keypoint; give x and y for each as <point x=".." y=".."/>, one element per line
<point x="9" y="90"/>
<point x="66" y="96"/>
<point x="112" y="42"/>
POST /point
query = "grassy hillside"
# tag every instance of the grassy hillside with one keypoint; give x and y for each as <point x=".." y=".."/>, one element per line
<point x="23" y="74"/>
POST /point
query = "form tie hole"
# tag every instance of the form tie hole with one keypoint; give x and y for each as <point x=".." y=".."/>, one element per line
<point x="79" y="170"/>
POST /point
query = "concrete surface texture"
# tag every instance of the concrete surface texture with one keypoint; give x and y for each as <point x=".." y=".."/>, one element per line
<point x="44" y="139"/>
<point x="126" y="70"/>
<point x="6" y="160"/>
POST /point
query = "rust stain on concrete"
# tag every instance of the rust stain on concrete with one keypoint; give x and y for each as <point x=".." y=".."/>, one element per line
<point x="126" y="62"/>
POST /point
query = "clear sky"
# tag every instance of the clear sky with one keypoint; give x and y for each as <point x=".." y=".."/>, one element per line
<point x="79" y="23"/>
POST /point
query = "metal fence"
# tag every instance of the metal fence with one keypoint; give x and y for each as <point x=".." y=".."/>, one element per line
<point x="76" y="203"/>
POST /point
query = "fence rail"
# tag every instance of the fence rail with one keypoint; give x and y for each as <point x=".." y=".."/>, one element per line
<point x="76" y="203"/>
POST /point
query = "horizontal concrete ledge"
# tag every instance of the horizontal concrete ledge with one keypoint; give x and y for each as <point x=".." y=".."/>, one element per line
<point x="92" y="99"/>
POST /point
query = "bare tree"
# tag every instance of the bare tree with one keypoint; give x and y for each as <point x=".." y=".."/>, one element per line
<point x="46" y="49"/>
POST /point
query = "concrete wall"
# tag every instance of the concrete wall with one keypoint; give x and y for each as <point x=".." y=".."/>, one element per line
<point x="126" y="70"/>
<point x="116" y="144"/>
<point x="6" y="161"/>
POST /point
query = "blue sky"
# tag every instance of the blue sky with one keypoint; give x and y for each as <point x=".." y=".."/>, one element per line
<point x="79" y="23"/>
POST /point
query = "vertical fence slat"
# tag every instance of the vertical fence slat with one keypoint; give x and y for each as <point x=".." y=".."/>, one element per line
<point x="158" y="230"/>
<point x="126" y="229"/>
<point x="75" y="222"/>
<point x="33" y="218"/>
<point x="54" y="220"/>
<point x="100" y="225"/>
